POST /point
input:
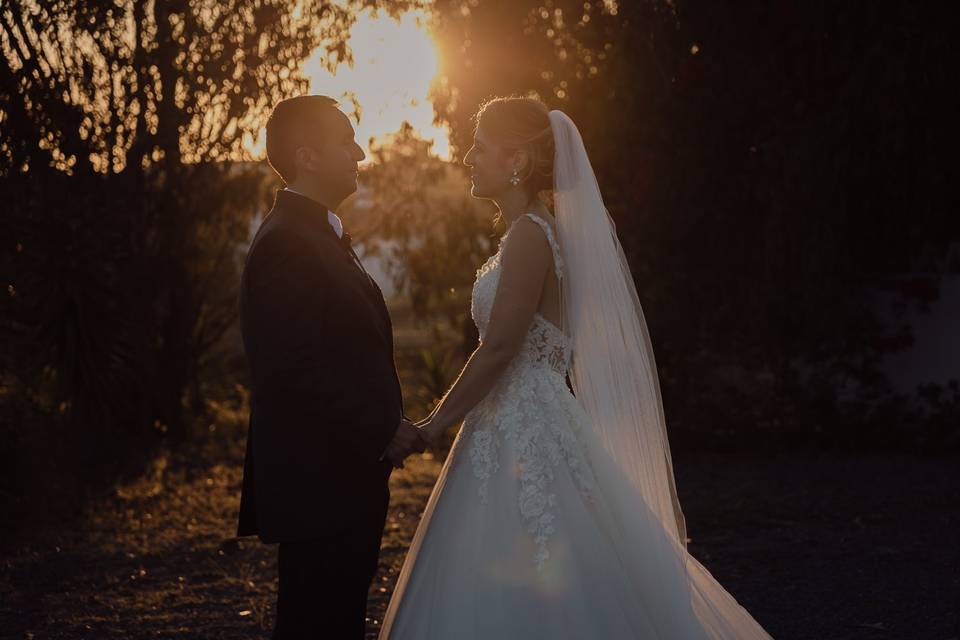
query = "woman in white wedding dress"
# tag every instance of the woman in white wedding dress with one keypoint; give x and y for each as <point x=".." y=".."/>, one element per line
<point x="555" y="515"/>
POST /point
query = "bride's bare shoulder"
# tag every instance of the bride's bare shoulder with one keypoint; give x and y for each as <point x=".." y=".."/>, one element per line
<point x="542" y="215"/>
<point x="526" y="241"/>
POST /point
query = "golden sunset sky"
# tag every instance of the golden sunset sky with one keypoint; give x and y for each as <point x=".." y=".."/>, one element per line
<point x="394" y="65"/>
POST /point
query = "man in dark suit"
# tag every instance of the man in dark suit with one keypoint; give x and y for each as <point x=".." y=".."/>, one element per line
<point x="326" y="421"/>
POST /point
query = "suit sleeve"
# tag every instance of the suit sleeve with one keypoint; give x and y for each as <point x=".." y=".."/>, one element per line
<point x="287" y="281"/>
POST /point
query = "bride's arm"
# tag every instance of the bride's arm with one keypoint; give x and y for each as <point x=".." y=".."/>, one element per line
<point x="526" y="260"/>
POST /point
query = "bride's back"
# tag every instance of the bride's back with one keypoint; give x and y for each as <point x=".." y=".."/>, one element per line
<point x="549" y="303"/>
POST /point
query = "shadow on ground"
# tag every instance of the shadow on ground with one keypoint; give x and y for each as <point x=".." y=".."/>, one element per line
<point x="846" y="547"/>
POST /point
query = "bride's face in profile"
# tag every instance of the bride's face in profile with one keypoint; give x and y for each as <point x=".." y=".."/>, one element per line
<point x="490" y="166"/>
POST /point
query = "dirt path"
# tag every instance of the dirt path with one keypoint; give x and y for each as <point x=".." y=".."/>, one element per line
<point x="834" y="547"/>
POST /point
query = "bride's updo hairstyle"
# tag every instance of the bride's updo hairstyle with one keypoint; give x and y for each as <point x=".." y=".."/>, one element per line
<point x="522" y="123"/>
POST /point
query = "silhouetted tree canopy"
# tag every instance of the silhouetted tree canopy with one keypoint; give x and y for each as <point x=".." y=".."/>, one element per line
<point x="124" y="131"/>
<point x="770" y="168"/>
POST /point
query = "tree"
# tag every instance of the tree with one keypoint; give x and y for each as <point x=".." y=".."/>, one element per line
<point x="126" y="130"/>
<point x="434" y="232"/>
<point x="433" y="235"/>
<point x="768" y="168"/>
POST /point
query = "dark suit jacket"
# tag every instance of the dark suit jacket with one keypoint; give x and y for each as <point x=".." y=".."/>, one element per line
<point x="325" y="396"/>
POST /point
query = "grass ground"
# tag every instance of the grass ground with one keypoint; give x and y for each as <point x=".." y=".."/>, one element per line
<point x="826" y="547"/>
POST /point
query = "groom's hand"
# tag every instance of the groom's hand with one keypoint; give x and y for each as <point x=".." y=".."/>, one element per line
<point x="405" y="441"/>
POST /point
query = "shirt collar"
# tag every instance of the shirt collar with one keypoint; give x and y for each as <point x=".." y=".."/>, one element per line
<point x="332" y="218"/>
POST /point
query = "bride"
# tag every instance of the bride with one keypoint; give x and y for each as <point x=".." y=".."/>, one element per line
<point x="555" y="515"/>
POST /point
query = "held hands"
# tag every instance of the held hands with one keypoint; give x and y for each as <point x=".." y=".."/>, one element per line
<point x="430" y="434"/>
<point x="406" y="440"/>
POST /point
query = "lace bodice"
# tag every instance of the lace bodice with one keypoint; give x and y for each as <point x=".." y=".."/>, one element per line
<point x="530" y="409"/>
<point x="545" y="344"/>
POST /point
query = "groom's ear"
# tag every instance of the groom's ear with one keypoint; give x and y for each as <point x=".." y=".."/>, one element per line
<point x="290" y="123"/>
<point x="301" y="156"/>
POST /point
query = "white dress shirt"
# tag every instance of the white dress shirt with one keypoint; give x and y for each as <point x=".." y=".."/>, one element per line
<point x="332" y="218"/>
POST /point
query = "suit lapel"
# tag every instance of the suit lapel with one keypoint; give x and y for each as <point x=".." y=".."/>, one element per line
<point x="311" y="217"/>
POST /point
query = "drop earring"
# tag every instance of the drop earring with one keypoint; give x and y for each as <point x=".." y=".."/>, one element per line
<point x="515" y="178"/>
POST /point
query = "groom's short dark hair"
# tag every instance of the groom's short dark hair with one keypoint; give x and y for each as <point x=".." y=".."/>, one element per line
<point x="285" y="128"/>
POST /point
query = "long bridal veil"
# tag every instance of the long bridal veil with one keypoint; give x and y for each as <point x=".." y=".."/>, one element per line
<point x="613" y="371"/>
<point x="614" y="377"/>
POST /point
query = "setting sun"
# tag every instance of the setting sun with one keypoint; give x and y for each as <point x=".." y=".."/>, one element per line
<point x="395" y="61"/>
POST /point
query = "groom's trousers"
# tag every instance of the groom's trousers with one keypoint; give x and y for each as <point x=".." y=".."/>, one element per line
<point x="324" y="581"/>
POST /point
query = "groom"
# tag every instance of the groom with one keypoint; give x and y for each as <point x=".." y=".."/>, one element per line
<point x="326" y="420"/>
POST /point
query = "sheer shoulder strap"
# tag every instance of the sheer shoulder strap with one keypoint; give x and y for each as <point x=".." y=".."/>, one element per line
<point x="554" y="245"/>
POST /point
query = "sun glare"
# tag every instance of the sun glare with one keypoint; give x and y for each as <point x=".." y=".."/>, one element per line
<point x="394" y="63"/>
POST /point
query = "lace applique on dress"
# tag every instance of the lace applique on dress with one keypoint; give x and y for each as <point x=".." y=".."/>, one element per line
<point x="521" y="410"/>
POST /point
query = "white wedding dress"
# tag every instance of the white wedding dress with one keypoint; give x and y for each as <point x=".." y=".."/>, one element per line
<point x="517" y="542"/>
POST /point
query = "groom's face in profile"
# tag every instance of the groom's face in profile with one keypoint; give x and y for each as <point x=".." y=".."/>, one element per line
<point x="329" y="155"/>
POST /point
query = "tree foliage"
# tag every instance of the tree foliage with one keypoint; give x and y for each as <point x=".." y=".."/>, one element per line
<point x="427" y="225"/>
<point x="770" y="167"/>
<point x="125" y="131"/>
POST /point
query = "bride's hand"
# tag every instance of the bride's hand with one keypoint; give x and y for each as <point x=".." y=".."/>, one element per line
<point x="427" y="434"/>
